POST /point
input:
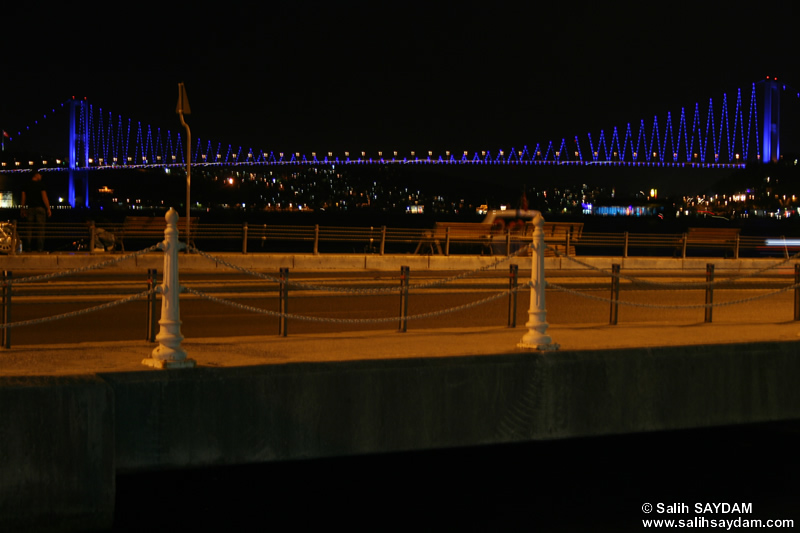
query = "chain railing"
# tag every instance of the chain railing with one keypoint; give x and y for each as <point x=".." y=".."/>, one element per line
<point x="80" y="312"/>
<point x="685" y="285"/>
<point x="535" y="338"/>
<point x="169" y="339"/>
<point x="513" y="290"/>
<point x="8" y="283"/>
<point x="171" y="287"/>
<point x="657" y="306"/>
<point x="331" y="320"/>
<point x="341" y="234"/>
<point x="308" y="286"/>
<point x="615" y="275"/>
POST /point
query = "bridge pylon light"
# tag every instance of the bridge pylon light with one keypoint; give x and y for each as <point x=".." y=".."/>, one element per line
<point x="772" y="124"/>
<point x="78" y="151"/>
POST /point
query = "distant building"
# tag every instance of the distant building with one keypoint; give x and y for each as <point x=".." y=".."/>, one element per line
<point x="6" y="199"/>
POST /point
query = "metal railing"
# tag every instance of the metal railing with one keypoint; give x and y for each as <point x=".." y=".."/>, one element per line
<point x="260" y="238"/>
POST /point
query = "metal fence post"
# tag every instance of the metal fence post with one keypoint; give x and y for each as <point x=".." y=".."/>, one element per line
<point x="625" y="249"/>
<point x="508" y="242"/>
<point x="614" y="316"/>
<point x="447" y="241"/>
<point x="537" y="322"/>
<point x="6" y="308"/>
<point x="92" y="236"/>
<point x="316" y="239"/>
<point x="151" y="305"/>
<point x="244" y="238"/>
<point x="736" y="248"/>
<point x="709" y="291"/>
<point x="797" y="292"/>
<point x="404" y="275"/>
<point x="15" y="241"/>
<point x="168" y="353"/>
<point x="513" y="278"/>
<point x="383" y="239"/>
<point x="283" y="301"/>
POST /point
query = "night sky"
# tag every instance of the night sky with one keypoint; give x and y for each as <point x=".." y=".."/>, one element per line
<point x="310" y="76"/>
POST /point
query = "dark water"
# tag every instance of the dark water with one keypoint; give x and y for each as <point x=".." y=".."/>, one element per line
<point x="592" y="484"/>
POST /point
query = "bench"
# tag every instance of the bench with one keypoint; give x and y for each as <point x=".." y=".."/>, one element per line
<point x="150" y="228"/>
<point x="449" y="232"/>
<point x="712" y="237"/>
<point x="560" y="237"/>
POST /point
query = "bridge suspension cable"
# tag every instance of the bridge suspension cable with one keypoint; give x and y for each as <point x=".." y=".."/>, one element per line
<point x="706" y="140"/>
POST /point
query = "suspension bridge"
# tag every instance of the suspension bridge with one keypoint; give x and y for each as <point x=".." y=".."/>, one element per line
<point x="728" y="133"/>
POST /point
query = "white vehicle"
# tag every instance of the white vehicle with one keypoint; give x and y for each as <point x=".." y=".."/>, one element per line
<point x="517" y="220"/>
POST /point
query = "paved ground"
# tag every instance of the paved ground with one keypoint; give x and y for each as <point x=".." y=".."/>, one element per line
<point x="126" y="356"/>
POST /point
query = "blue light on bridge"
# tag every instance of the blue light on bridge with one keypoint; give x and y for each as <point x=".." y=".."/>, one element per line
<point x="716" y="139"/>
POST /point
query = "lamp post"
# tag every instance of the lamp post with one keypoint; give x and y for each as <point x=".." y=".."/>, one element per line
<point x="184" y="109"/>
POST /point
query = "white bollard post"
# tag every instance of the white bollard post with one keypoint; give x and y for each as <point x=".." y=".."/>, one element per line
<point x="535" y="338"/>
<point x="169" y="353"/>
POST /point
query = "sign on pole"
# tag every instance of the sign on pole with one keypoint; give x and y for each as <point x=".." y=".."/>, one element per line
<point x="183" y="109"/>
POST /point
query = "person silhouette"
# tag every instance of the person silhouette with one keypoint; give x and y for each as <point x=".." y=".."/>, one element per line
<point x="36" y="208"/>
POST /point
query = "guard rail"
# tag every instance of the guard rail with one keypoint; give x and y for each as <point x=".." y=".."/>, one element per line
<point x="316" y="239"/>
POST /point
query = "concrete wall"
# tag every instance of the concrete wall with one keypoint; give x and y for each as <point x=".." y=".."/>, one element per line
<point x="62" y="439"/>
<point x="56" y="454"/>
<point x="652" y="389"/>
<point x="228" y="416"/>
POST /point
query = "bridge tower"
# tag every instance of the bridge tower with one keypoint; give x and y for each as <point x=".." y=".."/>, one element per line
<point x="772" y="122"/>
<point x="78" y="148"/>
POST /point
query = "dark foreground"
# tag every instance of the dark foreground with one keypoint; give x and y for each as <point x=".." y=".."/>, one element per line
<point x="591" y="484"/>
